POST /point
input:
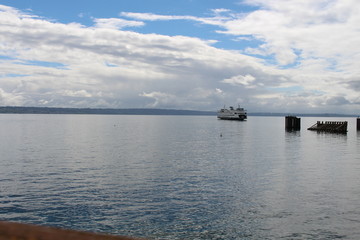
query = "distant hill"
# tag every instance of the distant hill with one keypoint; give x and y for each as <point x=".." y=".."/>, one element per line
<point x="302" y="114"/>
<point x="109" y="111"/>
<point x="145" y="111"/>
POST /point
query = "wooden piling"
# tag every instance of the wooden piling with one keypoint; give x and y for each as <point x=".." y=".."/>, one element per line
<point x="358" y="124"/>
<point x="292" y="123"/>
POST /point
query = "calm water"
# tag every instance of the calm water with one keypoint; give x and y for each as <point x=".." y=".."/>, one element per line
<point x="175" y="177"/>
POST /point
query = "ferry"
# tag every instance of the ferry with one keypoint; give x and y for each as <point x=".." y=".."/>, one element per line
<point x="239" y="114"/>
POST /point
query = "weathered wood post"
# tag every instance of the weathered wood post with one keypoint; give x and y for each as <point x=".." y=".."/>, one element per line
<point x="358" y="124"/>
<point x="292" y="123"/>
<point x="19" y="231"/>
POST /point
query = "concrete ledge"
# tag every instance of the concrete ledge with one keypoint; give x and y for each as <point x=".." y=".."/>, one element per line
<point x="19" y="231"/>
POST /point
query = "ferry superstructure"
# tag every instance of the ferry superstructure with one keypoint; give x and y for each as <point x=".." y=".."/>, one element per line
<point x="239" y="114"/>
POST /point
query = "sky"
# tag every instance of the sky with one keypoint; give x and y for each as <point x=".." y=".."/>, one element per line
<point x="290" y="56"/>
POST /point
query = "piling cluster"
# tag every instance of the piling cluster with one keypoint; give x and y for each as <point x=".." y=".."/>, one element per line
<point x="330" y="126"/>
<point x="293" y="123"/>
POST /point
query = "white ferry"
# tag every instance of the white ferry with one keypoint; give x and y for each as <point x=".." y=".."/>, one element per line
<point x="232" y="114"/>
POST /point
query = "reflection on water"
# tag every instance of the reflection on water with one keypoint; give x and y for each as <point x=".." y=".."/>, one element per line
<point x="180" y="177"/>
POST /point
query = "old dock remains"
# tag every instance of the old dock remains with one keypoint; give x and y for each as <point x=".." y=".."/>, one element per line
<point x="330" y="126"/>
<point x="292" y="123"/>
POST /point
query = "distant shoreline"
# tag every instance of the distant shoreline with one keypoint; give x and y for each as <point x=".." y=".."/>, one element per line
<point x="146" y="111"/>
<point x="102" y="111"/>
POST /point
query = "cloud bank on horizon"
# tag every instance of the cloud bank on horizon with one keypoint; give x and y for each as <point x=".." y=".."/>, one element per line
<point x="272" y="56"/>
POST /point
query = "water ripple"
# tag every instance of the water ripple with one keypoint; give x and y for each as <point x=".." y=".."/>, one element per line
<point x="175" y="178"/>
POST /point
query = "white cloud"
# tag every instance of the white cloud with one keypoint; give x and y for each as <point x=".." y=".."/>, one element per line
<point x="160" y="99"/>
<point x="216" y="20"/>
<point x="296" y="30"/>
<point x="108" y="67"/>
<point x="292" y="30"/>
<point x="9" y="99"/>
<point x="116" y="23"/>
<point x="78" y="93"/>
<point x="246" y="80"/>
<point x="219" y="11"/>
<point x="320" y="38"/>
<point x="218" y="90"/>
<point x="151" y="16"/>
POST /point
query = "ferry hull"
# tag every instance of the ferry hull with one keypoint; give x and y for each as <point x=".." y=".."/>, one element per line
<point x="233" y="118"/>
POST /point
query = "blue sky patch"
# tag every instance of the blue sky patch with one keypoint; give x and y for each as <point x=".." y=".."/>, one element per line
<point x="3" y="57"/>
<point x="13" y="75"/>
<point x="110" y="64"/>
<point x="44" y="64"/>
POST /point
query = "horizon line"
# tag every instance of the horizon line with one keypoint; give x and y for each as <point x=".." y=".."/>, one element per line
<point x="145" y="111"/>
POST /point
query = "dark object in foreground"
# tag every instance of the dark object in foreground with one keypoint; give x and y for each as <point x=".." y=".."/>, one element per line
<point x="330" y="126"/>
<point x="292" y="123"/>
<point x="19" y="231"/>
